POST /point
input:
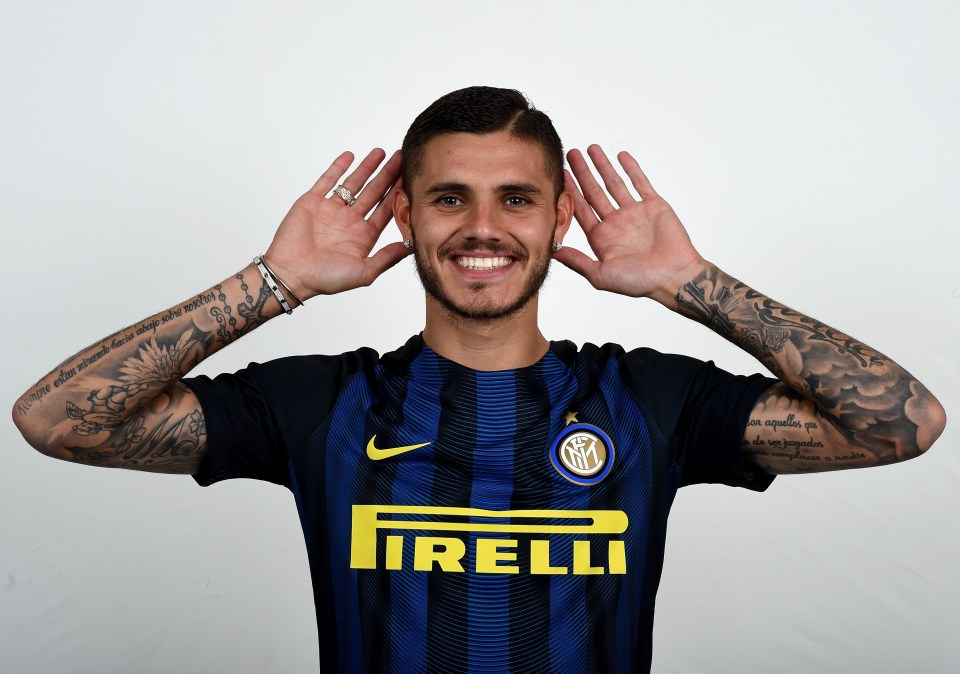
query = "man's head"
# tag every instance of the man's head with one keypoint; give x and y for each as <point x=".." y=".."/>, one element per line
<point x="482" y="201"/>
<point x="482" y="110"/>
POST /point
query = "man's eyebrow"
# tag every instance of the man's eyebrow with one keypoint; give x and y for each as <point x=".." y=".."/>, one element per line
<point x="523" y="188"/>
<point x="447" y="187"/>
<point x="450" y="186"/>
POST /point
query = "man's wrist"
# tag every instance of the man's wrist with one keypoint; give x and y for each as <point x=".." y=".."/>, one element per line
<point x="679" y="284"/>
<point x="288" y="282"/>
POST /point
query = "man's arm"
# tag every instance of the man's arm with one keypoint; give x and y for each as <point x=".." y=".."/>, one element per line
<point x="120" y="402"/>
<point x="839" y="403"/>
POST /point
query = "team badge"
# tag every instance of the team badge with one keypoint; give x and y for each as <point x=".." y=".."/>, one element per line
<point x="582" y="453"/>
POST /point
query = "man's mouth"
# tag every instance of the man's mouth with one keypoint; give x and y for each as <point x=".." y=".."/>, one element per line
<point x="482" y="262"/>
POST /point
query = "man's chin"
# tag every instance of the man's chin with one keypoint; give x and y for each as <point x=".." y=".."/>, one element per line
<point x="481" y="309"/>
<point x="479" y="305"/>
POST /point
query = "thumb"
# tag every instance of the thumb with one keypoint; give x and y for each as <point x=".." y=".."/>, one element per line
<point x="383" y="259"/>
<point x="581" y="263"/>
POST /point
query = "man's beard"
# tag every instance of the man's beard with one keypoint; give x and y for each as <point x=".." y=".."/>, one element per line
<point x="430" y="279"/>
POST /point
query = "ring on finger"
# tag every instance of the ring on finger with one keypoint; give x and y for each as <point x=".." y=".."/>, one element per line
<point x="344" y="194"/>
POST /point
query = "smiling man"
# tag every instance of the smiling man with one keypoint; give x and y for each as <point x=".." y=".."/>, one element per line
<point x="470" y="187"/>
<point x="482" y="498"/>
<point x="483" y="214"/>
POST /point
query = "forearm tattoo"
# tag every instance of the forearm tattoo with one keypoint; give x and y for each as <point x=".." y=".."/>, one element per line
<point x="140" y="415"/>
<point x="166" y="442"/>
<point x="872" y="402"/>
<point x="250" y="310"/>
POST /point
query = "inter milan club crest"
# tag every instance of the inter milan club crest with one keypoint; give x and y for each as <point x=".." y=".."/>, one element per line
<point x="583" y="454"/>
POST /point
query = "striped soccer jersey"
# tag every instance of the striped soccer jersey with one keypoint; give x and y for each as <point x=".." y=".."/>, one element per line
<point x="464" y="521"/>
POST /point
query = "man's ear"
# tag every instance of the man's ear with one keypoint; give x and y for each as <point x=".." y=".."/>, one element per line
<point x="401" y="212"/>
<point x="564" y="214"/>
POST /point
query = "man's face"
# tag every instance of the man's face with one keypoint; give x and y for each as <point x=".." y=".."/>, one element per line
<point x="483" y="217"/>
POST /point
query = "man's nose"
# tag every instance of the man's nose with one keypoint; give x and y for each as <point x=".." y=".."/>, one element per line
<point x="485" y="223"/>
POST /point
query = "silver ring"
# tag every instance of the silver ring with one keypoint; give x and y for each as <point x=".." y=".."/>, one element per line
<point x="344" y="194"/>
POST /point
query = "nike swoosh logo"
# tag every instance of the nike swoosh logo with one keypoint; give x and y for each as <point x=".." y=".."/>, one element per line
<point x="378" y="454"/>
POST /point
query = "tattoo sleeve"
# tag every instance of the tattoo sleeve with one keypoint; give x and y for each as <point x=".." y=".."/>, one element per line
<point x="120" y="401"/>
<point x="841" y="404"/>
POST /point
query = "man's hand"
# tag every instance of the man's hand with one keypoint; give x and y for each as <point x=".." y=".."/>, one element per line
<point x="120" y="401"/>
<point x="323" y="245"/>
<point x="642" y="248"/>
<point x="840" y="403"/>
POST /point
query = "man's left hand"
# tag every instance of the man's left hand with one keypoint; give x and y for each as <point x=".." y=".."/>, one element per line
<point x="641" y="246"/>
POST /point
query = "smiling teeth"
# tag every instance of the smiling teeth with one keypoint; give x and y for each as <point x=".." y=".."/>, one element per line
<point x="483" y="262"/>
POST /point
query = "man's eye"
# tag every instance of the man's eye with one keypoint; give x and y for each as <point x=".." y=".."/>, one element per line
<point x="449" y="201"/>
<point x="516" y="200"/>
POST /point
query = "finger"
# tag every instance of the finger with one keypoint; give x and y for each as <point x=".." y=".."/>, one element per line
<point x="356" y="180"/>
<point x="611" y="179"/>
<point x="591" y="189"/>
<point x="581" y="209"/>
<point x="384" y="211"/>
<point x="636" y="175"/>
<point x="376" y="189"/>
<point x="383" y="259"/>
<point x="581" y="263"/>
<point x="329" y="179"/>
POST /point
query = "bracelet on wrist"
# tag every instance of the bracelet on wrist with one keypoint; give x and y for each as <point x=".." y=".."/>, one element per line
<point x="272" y="284"/>
<point x="279" y="280"/>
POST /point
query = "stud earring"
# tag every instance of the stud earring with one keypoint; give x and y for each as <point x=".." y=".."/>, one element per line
<point x="407" y="244"/>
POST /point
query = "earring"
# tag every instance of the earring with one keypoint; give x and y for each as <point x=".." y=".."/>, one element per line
<point x="557" y="246"/>
<point x="407" y="244"/>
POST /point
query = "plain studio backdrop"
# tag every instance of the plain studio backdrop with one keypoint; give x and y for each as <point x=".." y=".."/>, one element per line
<point x="148" y="150"/>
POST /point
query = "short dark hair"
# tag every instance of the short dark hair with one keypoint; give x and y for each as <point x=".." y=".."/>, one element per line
<point x="483" y="110"/>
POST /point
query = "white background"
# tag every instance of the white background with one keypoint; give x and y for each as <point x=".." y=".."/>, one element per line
<point x="148" y="150"/>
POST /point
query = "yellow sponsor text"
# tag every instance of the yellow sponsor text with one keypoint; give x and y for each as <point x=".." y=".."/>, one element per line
<point x="568" y="534"/>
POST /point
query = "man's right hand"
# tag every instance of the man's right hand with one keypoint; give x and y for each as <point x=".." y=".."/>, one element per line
<point x="323" y="245"/>
<point x="120" y="401"/>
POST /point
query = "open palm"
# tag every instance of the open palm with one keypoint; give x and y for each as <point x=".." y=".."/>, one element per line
<point x="642" y="248"/>
<point x="324" y="244"/>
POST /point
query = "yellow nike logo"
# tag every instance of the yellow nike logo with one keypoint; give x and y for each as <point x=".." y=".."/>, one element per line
<point x="377" y="454"/>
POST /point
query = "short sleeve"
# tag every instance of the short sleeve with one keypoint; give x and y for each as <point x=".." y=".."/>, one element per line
<point x="242" y="434"/>
<point x="711" y="428"/>
<point x="259" y="417"/>
<point x="703" y="412"/>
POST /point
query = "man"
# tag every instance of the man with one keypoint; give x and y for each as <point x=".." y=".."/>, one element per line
<point x="482" y="498"/>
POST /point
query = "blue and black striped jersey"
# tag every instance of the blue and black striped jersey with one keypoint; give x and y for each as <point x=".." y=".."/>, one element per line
<point x="466" y="521"/>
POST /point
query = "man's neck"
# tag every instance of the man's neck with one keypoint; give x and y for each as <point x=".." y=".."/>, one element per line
<point x="498" y="344"/>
